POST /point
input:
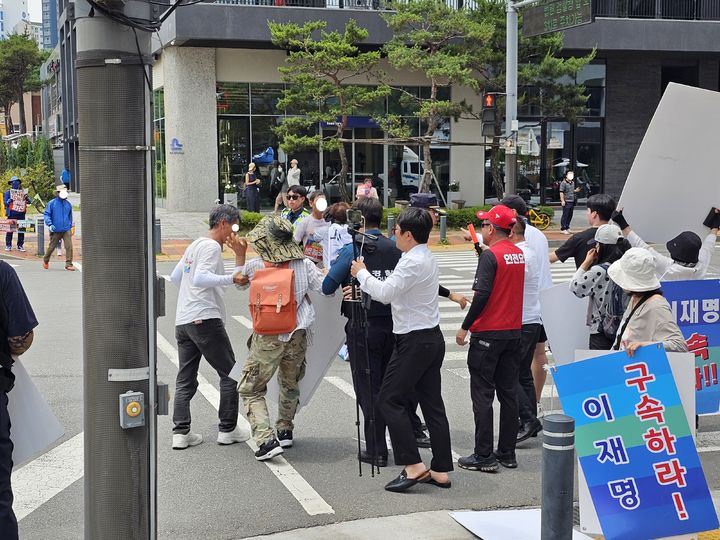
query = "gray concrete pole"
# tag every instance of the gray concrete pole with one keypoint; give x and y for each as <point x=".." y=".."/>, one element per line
<point x="558" y="468"/>
<point x="391" y="224"/>
<point x="40" y="228"/>
<point x="113" y="97"/>
<point x="511" y="68"/>
<point x="443" y="228"/>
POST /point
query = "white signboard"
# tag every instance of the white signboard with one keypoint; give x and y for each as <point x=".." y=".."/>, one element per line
<point x="564" y="316"/>
<point x="673" y="181"/>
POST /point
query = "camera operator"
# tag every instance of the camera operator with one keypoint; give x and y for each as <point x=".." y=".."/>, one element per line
<point x="380" y="256"/>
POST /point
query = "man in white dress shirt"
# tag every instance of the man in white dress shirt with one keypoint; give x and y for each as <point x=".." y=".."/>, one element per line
<point x="414" y="369"/>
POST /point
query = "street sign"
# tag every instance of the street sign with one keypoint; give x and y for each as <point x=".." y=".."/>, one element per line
<point x="554" y="15"/>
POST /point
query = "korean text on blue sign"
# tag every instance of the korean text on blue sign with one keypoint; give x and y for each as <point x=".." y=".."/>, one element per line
<point x="635" y="446"/>
<point x="696" y="307"/>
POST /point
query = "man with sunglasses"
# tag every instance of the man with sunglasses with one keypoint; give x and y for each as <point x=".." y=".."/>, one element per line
<point x="295" y="211"/>
<point x="495" y="321"/>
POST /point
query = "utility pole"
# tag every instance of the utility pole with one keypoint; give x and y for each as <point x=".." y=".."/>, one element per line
<point x="119" y="327"/>
<point x="511" y="68"/>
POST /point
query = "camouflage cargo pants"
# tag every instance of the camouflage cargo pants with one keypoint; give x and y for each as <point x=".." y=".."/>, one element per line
<point x="267" y="355"/>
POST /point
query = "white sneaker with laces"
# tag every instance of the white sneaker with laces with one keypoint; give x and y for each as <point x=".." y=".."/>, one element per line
<point x="239" y="434"/>
<point x="181" y="441"/>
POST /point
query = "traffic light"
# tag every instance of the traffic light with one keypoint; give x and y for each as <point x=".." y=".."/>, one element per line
<point x="488" y="115"/>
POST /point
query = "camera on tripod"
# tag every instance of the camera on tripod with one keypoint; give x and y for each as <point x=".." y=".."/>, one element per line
<point x="354" y="219"/>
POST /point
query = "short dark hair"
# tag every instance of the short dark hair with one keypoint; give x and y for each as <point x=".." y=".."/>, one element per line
<point x="298" y="190"/>
<point x="223" y="212"/>
<point x="338" y="212"/>
<point x="418" y="222"/>
<point x="315" y="194"/>
<point x="609" y="253"/>
<point x="603" y="204"/>
<point x="371" y="209"/>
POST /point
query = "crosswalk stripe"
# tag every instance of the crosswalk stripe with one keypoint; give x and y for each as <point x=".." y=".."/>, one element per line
<point x="247" y="323"/>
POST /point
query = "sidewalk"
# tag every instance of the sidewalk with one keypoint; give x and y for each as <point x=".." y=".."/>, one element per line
<point x="179" y="229"/>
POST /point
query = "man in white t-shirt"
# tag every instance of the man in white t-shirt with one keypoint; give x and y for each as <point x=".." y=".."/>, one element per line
<point x="200" y="326"/>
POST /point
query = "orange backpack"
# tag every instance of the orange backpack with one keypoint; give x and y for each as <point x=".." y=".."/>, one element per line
<point x="272" y="300"/>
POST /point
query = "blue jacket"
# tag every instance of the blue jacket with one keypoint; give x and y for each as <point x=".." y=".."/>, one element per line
<point x="14" y="184"/>
<point x="58" y="215"/>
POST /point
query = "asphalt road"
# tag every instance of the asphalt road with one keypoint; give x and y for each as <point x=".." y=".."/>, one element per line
<point x="223" y="492"/>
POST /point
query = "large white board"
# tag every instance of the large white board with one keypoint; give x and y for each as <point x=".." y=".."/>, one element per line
<point x="673" y="181"/>
<point x="327" y="336"/>
<point x="564" y="316"/>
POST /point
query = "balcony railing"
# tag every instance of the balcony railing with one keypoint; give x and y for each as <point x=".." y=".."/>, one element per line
<point x="701" y="10"/>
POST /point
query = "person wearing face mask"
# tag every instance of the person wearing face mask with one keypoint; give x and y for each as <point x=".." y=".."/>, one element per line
<point x="310" y="232"/>
<point x="567" y="201"/>
<point x="16" y="201"/>
<point x="59" y="219"/>
<point x="277" y="177"/>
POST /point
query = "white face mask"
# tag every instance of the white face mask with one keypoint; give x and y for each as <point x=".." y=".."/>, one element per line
<point x="321" y="204"/>
<point x="235" y="228"/>
<point x="63" y="195"/>
<point x="570" y="176"/>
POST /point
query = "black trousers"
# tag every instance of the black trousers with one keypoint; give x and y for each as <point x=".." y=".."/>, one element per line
<point x="379" y="346"/>
<point x="8" y="523"/>
<point x="252" y="198"/>
<point x="567" y="215"/>
<point x="493" y="365"/>
<point x="414" y="368"/>
<point x="208" y="339"/>
<point x="526" y="384"/>
<point x="600" y="342"/>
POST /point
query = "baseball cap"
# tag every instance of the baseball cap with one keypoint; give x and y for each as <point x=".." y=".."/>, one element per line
<point x="609" y="233"/>
<point x="517" y="203"/>
<point x="500" y="216"/>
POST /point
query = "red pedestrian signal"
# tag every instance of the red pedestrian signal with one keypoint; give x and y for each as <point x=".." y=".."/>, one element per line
<point x="489" y="101"/>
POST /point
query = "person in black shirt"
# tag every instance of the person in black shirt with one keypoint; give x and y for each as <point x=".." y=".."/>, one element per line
<point x="599" y="211"/>
<point x="17" y="321"/>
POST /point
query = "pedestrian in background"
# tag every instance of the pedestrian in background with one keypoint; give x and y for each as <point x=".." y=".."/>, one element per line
<point x="495" y="322"/>
<point x="279" y="179"/>
<point x="200" y="326"/>
<point x="59" y="220"/>
<point x="567" y="200"/>
<point x="284" y="353"/>
<point x="17" y="322"/>
<point x="414" y="368"/>
<point x="293" y="175"/>
<point x="252" y="189"/>
<point x="366" y="189"/>
<point x="16" y="201"/>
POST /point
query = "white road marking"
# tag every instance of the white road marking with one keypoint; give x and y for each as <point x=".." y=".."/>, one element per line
<point x="166" y="277"/>
<point x="247" y="323"/>
<point x="78" y="266"/>
<point x="305" y="494"/>
<point x="40" y="480"/>
<point x="708" y="441"/>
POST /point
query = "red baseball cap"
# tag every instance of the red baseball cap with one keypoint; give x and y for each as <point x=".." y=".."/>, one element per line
<point x="500" y="216"/>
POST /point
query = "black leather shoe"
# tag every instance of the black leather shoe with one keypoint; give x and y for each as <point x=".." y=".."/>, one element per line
<point x="506" y="460"/>
<point x="529" y="429"/>
<point x="403" y="483"/>
<point x="434" y="482"/>
<point x="422" y="441"/>
<point x="473" y="462"/>
<point x="379" y="461"/>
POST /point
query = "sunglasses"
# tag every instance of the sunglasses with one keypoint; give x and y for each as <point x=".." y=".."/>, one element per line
<point x="485" y="224"/>
<point x="294" y="197"/>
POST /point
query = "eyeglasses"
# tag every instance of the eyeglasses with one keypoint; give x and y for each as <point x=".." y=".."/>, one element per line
<point x="485" y="224"/>
<point x="294" y="197"/>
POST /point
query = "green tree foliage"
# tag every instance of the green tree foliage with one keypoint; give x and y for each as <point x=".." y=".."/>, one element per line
<point x="24" y="156"/>
<point x="20" y="61"/>
<point x="540" y="68"/>
<point x="43" y="153"/>
<point x="433" y="39"/>
<point x="324" y="74"/>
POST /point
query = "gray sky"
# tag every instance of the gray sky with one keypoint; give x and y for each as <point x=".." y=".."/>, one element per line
<point x="35" y="9"/>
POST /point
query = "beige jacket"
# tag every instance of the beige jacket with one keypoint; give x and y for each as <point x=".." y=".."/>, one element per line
<point x="653" y="321"/>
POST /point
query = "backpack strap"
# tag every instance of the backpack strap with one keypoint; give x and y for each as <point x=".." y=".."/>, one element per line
<point x="616" y="346"/>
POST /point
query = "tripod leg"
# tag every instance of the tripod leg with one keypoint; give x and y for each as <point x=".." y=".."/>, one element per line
<point x="368" y="375"/>
<point x="353" y="362"/>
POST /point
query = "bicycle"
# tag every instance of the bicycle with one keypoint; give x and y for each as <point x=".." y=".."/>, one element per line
<point x="540" y="220"/>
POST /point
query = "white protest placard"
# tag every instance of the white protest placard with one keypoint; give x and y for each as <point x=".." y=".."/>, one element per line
<point x="673" y="181"/>
<point x="34" y="426"/>
<point x="564" y="316"/>
<point x="327" y="337"/>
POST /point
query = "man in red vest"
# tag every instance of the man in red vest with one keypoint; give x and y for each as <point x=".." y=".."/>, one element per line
<point x="494" y="322"/>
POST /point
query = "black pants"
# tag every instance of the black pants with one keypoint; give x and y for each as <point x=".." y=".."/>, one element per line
<point x="8" y="523"/>
<point x="600" y="342"/>
<point x="526" y="384"/>
<point x="379" y="344"/>
<point x="493" y="365"/>
<point x="414" y="368"/>
<point x="252" y="199"/>
<point x="567" y="214"/>
<point x="208" y="339"/>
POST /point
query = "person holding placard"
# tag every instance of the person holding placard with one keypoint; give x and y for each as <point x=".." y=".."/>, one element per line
<point x="16" y="201"/>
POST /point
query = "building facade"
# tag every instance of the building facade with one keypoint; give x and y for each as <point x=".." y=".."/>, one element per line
<point x="50" y="24"/>
<point x="34" y="30"/>
<point x="12" y="12"/>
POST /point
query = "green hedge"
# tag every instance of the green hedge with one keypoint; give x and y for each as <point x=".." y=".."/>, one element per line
<point x="248" y="220"/>
<point x="461" y="218"/>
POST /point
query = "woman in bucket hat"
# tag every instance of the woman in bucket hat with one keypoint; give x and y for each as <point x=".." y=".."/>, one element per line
<point x="591" y="280"/>
<point x="648" y="318"/>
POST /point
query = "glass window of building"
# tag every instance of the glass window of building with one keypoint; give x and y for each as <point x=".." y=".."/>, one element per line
<point x="159" y="142"/>
<point x="264" y="98"/>
<point x="233" y="98"/>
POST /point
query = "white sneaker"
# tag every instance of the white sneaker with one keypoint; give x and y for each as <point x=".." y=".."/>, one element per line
<point x="180" y="441"/>
<point x="239" y="434"/>
<point x="540" y="411"/>
<point x="566" y="232"/>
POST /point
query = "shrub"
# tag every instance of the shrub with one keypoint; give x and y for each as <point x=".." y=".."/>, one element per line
<point x="248" y="220"/>
<point x="549" y="210"/>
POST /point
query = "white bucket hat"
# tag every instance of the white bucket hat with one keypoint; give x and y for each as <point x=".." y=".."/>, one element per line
<point x="635" y="271"/>
<point x="607" y="234"/>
